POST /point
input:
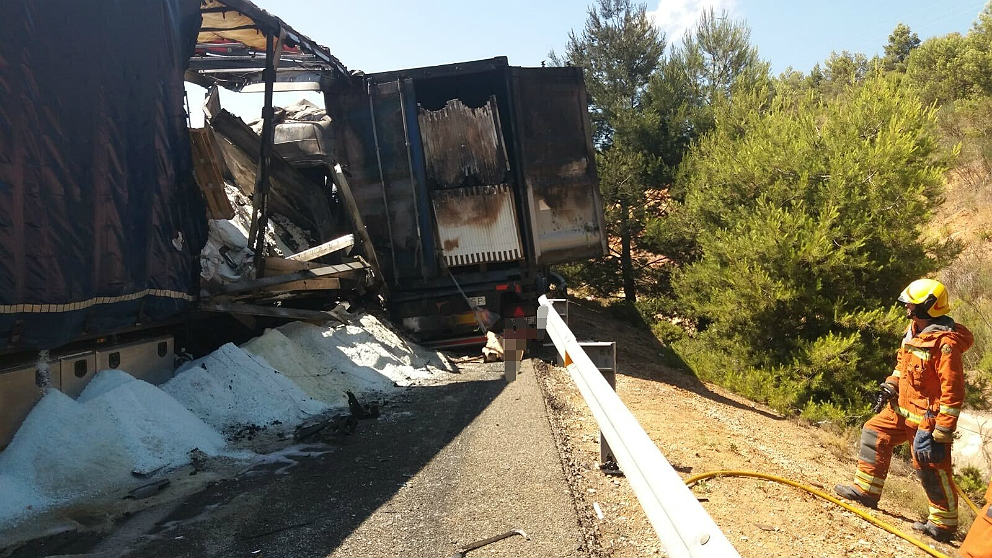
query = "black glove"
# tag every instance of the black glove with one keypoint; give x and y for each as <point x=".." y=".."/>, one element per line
<point x="886" y="392"/>
<point x="926" y="449"/>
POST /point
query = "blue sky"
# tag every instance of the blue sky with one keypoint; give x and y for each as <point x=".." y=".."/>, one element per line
<point x="375" y="35"/>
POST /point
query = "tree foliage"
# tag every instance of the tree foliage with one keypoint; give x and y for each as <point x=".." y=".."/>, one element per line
<point x="703" y="71"/>
<point x="952" y="67"/>
<point x="809" y="217"/>
<point x="840" y="72"/>
<point x="714" y="64"/>
<point x="619" y="50"/>
<point x="902" y="41"/>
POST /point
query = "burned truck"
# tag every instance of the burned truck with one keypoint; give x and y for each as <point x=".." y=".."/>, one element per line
<point x="473" y="179"/>
<point x="450" y="190"/>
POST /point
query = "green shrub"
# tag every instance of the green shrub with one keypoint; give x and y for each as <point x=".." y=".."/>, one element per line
<point x="667" y="332"/>
<point x="804" y="241"/>
<point x="969" y="281"/>
<point x="972" y="483"/>
<point x="826" y="412"/>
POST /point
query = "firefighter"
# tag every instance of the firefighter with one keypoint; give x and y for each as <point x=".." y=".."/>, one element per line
<point x="918" y="403"/>
<point x="978" y="543"/>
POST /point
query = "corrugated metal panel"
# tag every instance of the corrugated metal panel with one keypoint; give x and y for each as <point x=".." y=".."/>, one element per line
<point x="463" y="146"/>
<point x="477" y="224"/>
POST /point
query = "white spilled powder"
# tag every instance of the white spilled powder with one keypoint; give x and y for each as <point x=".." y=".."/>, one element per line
<point x="230" y="388"/>
<point x="67" y="450"/>
<point x="370" y="353"/>
<point x="284" y="458"/>
<point x="154" y="428"/>
<point x="289" y="232"/>
<point x="316" y="375"/>
<point x="62" y="451"/>
<point x="20" y="499"/>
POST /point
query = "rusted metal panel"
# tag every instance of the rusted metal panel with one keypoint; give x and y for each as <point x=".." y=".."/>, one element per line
<point x="558" y="164"/>
<point x="477" y="224"/>
<point x="463" y="146"/>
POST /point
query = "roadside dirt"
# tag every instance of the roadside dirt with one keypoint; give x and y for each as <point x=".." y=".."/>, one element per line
<point x="699" y="428"/>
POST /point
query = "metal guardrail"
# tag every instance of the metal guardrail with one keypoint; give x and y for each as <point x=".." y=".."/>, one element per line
<point x="683" y="526"/>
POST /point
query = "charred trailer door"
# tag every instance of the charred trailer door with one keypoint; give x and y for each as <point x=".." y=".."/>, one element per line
<point x="557" y="165"/>
<point x="467" y="171"/>
<point x="375" y="122"/>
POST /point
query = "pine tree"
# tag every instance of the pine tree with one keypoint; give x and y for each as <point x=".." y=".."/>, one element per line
<point x="902" y="41"/>
<point x="619" y="49"/>
<point x="713" y="62"/>
<point x="809" y="218"/>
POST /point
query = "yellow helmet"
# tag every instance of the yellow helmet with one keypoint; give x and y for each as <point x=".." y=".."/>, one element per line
<point x="929" y="296"/>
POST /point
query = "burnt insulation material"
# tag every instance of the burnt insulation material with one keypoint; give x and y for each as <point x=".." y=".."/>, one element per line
<point x="101" y="222"/>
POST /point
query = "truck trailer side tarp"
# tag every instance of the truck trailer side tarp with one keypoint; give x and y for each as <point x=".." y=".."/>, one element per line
<point x="101" y="223"/>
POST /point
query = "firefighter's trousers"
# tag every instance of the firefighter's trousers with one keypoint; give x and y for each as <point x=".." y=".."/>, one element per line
<point x="880" y="435"/>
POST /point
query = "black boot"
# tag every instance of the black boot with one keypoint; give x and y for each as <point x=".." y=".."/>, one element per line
<point x="849" y="492"/>
<point x="931" y="530"/>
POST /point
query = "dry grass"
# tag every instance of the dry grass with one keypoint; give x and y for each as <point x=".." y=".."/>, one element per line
<point x="841" y="442"/>
<point x="966" y="217"/>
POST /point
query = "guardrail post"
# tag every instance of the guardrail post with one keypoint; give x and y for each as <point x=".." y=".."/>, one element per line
<point x="604" y="355"/>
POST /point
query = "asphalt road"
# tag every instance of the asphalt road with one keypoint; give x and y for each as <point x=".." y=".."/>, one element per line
<point x="444" y="466"/>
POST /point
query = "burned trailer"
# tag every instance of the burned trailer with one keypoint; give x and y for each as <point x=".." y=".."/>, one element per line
<point x="473" y="179"/>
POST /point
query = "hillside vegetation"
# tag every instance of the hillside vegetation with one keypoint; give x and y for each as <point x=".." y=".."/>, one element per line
<point x="762" y="226"/>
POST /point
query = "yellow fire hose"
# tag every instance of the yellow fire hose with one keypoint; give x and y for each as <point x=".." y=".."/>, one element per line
<point x="877" y="522"/>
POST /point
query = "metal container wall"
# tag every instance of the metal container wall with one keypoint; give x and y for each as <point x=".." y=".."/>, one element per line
<point x="558" y="164"/>
<point x="18" y="395"/>
<point x="151" y="360"/>
<point x="76" y="372"/>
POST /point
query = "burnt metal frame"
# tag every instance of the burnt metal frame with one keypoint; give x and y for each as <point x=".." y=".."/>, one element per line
<point x="276" y="34"/>
<point x="259" y="213"/>
<point x="413" y="179"/>
<point x="382" y="182"/>
<point x="271" y="25"/>
<point x="497" y="64"/>
<point x="415" y="149"/>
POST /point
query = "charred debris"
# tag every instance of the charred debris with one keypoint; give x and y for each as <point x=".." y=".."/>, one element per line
<point x="447" y="191"/>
